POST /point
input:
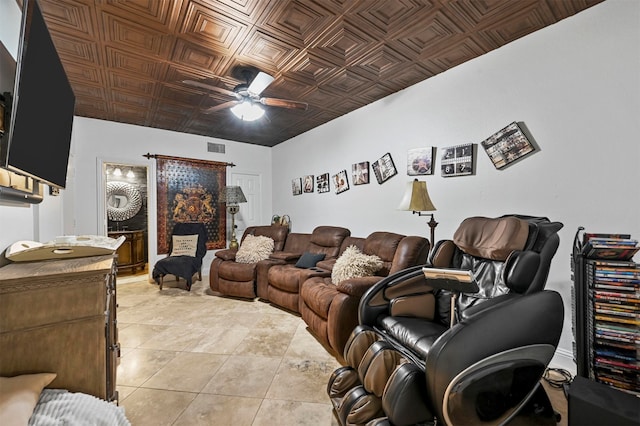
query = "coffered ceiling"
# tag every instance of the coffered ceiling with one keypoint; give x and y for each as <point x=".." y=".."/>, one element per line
<point x="127" y="60"/>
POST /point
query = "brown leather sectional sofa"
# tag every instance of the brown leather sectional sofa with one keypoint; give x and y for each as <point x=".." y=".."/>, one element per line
<point x="329" y="310"/>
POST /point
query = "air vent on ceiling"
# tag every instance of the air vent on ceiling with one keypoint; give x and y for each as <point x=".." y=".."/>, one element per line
<point x="215" y="147"/>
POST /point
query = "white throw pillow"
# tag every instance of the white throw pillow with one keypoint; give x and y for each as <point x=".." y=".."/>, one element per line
<point x="19" y="396"/>
<point x="353" y="263"/>
<point x="184" y="245"/>
<point x="254" y="249"/>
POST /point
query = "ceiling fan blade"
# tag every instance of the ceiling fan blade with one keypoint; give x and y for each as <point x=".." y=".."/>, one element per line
<point x="259" y="83"/>
<point x="208" y="87"/>
<point x="284" y="103"/>
<point x="219" y="107"/>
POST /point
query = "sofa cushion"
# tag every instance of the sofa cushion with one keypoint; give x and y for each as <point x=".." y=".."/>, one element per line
<point x="353" y="263"/>
<point x="309" y="260"/>
<point x="254" y="249"/>
<point x="318" y="293"/>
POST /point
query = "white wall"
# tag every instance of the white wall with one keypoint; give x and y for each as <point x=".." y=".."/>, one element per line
<point x="576" y="86"/>
<point x="98" y="140"/>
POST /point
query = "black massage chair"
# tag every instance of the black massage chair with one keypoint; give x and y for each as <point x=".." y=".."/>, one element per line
<point x="442" y="350"/>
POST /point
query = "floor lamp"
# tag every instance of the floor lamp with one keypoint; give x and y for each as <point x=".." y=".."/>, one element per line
<point x="416" y="198"/>
<point x="233" y="196"/>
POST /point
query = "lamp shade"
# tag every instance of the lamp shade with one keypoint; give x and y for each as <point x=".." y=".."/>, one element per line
<point x="233" y="195"/>
<point x="247" y="111"/>
<point x="416" y="198"/>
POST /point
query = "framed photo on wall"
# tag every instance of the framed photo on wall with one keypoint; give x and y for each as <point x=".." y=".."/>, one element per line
<point x="341" y="182"/>
<point x="458" y="160"/>
<point x="507" y="146"/>
<point x="307" y="184"/>
<point x="322" y="182"/>
<point x="296" y="186"/>
<point x="360" y="173"/>
<point x="420" y="161"/>
<point x="384" y="168"/>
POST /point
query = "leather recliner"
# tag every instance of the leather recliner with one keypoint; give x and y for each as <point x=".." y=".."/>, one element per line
<point x="231" y="278"/>
<point x="280" y="282"/>
<point x="331" y="310"/>
<point x="484" y="368"/>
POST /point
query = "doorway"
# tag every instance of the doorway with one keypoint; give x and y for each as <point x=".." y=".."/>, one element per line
<point x="126" y="214"/>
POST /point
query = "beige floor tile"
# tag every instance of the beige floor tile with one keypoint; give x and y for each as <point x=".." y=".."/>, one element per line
<point x="294" y="413"/>
<point x="244" y="376"/>
<point x="219" y="340"/>
<point x="153" y="407"/>
<point x="300" y="379"/>
<point x="175" y="338"/>
<point x="124" y="392"/>
<point x="188" y="372"/>
<point x="133" y="335"/>
<point x="306" y="345"/>
<point x="208" y="410"/>
<point x="265" y="342"/>
<point x="138" y="365"/>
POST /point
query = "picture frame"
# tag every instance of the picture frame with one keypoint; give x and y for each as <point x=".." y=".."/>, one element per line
<point x="420" y="161"/>
<point x="507" y="146"/>
<point x="341" y="182"/>
<point x="307" y="184"/>
<point x="296" y="186"/>
<point x="384" y="168"/>
<point x="360" y="173"/>
<point x="458" y="160"/>
<point x="322" y="183"/>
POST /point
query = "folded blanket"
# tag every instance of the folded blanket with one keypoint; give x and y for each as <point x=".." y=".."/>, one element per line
<point x="58" y="407"/>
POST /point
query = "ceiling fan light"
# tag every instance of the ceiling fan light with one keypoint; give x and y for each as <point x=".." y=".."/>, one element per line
<point x="247" y="111"/>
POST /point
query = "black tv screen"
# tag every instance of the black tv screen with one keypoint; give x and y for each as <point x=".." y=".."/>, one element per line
<point x="40" y="108"/>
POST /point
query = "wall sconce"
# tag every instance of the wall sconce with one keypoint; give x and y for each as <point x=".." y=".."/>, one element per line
<point x="233" y="196"/>
<point x="416" y="198"/>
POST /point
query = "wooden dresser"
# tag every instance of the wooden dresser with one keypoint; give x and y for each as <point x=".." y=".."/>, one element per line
<point x="59" y="316"/>
<point x="131" y="253"/>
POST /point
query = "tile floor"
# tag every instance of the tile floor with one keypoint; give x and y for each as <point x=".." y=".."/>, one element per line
<point x="193" y="358"/>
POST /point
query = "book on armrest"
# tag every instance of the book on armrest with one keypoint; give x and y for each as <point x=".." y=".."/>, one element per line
<point x="458" y="280"/>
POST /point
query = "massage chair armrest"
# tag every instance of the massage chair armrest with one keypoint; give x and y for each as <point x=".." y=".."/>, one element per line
<point x="356" y="287"/>
<point x="227" y="254"/>
<point x="375" y="301"/>
<point x="469" y="313"/>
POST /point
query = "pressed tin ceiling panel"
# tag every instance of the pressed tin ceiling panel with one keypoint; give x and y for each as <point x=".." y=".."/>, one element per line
<point x="127" y="60"/>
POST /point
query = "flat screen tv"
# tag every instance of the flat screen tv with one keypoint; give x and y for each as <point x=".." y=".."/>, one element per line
<point x="38" y="107"/>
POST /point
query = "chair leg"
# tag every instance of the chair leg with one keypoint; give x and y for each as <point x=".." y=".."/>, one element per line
<point x="161" y="281"/>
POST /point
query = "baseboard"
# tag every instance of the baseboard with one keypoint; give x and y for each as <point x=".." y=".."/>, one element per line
<point x="564" y="359"/>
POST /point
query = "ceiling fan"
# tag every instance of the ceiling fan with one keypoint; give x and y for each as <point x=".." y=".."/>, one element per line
<point x="246" y="104"/>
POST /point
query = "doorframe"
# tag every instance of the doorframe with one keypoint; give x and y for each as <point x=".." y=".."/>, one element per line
<point x="101" y="193"/>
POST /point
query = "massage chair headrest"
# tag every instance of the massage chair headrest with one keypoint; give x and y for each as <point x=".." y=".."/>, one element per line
<point x="493" y="239"/>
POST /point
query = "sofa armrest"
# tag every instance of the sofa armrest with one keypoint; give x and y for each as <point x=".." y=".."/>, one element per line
<point x="226" y="254"/>
<point x="285" y="256"/>
<point x="356" y="287"/>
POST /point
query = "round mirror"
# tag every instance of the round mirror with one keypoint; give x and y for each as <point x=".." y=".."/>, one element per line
<point x="123" y="201"/>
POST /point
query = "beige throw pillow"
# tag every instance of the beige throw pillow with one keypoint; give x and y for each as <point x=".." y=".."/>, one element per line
<point x="19" y="396"/>
<point x="184" y="245"/>
<point x="353" y="263"/>
<point x="254" y="249"/>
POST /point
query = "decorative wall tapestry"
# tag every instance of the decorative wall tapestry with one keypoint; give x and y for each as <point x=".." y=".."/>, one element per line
<point x="188" y="191"/>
